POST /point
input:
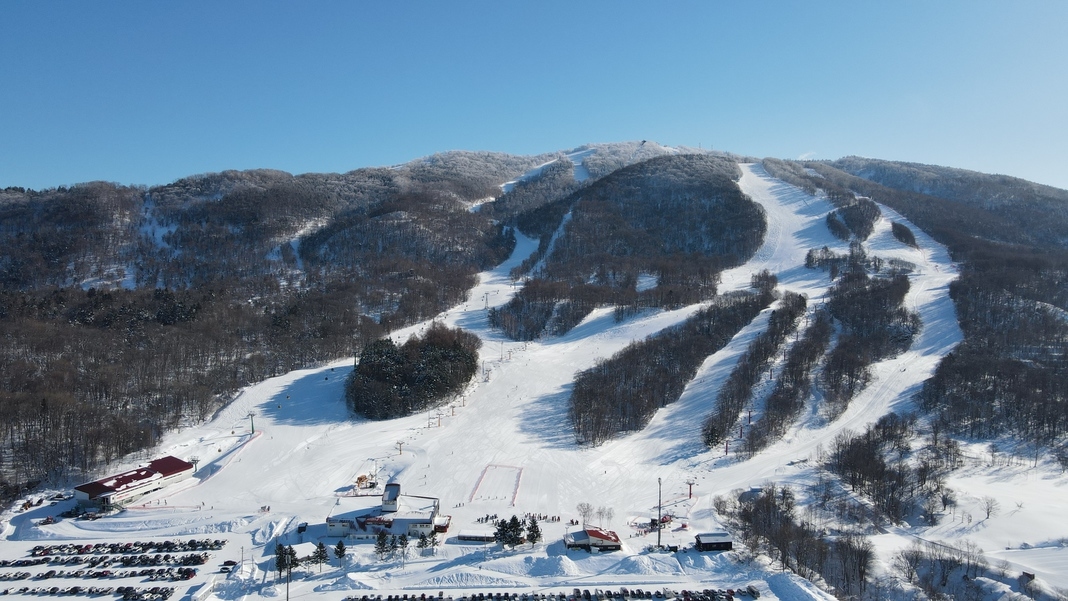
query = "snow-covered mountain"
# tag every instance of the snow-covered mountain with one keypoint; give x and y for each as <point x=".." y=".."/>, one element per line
<point x="506" y="447"/>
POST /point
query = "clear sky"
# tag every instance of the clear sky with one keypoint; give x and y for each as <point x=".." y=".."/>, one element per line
<point x="148" y="92"/>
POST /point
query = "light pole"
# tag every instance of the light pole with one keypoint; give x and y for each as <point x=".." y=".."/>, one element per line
<point x="659" y="506"/>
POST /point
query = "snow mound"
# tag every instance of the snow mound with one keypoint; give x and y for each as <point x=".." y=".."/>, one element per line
<point x="789" y="587"/>
<point x="648" y="564"/>
<point x="553" y="566"/>
<point x="348" y="582"/>
<point x="269" y="532"/>
<point x="704" y="562"/>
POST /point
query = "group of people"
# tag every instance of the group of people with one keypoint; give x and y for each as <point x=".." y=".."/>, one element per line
<point x="541" y="517"/>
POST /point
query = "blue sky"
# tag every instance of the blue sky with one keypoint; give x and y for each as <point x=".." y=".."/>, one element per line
<point x="148" y="92"/>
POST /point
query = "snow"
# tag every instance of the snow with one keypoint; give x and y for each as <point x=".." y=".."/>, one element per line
<point x="536" y="171"/>
<point x="576" y="157"/>
<point x="504" y="447"/>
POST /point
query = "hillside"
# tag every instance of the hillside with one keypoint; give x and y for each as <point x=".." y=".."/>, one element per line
<point x="506" y="446"/>
<point x="1040" y="210"/>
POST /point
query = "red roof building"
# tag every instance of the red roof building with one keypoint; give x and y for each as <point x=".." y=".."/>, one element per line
<point x="134" y="484"/>
<point x="591" y="538"/>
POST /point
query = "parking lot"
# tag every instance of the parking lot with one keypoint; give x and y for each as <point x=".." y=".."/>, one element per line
<point x="106" y="569"/>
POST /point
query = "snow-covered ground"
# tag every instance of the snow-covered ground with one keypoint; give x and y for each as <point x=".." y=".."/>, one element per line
<point x="506" y="448"/>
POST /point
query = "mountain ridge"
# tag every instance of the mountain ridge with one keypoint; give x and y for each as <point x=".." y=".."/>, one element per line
<point x="272" y="274"/>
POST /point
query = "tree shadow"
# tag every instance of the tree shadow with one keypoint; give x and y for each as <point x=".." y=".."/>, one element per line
<point x="545" y="419"/>
<point x="314" y="399"/>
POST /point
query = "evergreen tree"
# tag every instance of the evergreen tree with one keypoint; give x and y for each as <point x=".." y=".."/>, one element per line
<point x="286" y="560"/>
<point x="501" y="533"/>
<point x="281" y="559"/>
<point x="393" y="545"/>
<point x="509" y="532"/>
<point x="402" y="545"/>
<point x="340" y="551"/>
<point x="320" y="555"/>
<point x="382" y="544"/>
<point x="291" y="559"/>
<point x="515" y="530"/>
<point x="533" y="531"/>
<point x="423" y="543"/>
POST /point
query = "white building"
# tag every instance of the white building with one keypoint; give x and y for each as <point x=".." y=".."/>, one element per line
<point x="134" y="484"/>
<point x="397" y="514"/>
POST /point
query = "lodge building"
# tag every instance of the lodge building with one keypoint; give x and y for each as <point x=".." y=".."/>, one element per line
<point x="124" y="488"/>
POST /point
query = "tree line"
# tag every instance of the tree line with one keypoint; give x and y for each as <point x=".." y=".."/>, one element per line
<point x="1006" y="236"/>
<point x="1037" y="212"/>
<point x="792" y="386"/>
<point x="873" y="326"/>
<point x="554" y="182"/>
<point x="1008" y="375"/>
<point x="623" y="392"/>
<point x="768" y="521"/>
<point x="853" y="216"/>
<point x="737" y="391"/>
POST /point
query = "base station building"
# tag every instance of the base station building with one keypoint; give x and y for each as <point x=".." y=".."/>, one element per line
<point x="397" y="514"/>
<point x="714" y="541"/>
<point x="124" y="488"/>
<point x="592" y="539"/>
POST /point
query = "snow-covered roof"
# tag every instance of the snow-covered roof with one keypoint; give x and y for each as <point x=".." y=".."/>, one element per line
<point x="592" y="535"/>
<point x="169" y="465"/>
<point x="154" y="470"/>
<point x="714" y="537"/>
<point x="469" y="534"/>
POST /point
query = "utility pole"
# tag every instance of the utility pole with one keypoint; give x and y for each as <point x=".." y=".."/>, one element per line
<point x="194" y="460"/>
<point x="659" y="507"/>
<point x="252" y="422"/>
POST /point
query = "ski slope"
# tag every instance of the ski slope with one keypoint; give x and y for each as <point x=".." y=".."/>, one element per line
<point x="505" y="447"/>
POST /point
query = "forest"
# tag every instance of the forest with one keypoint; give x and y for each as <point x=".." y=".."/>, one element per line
<point x="737" y="392"/>
<point x="394" y="381"/>
<point x="622" y="393"/>
<point x="126" y="311"/>
<point x="135" y="309"/>
<point x="675" y="220"/>
<point x="767" y="520"/>
<point x="1007" y="237"/>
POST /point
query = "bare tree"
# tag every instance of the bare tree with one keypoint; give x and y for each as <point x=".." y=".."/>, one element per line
<point x="604" y="514"/>
<point x="908" y="560"/>
<point x="585" y="511"/>
<point x="990" y="506"/>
